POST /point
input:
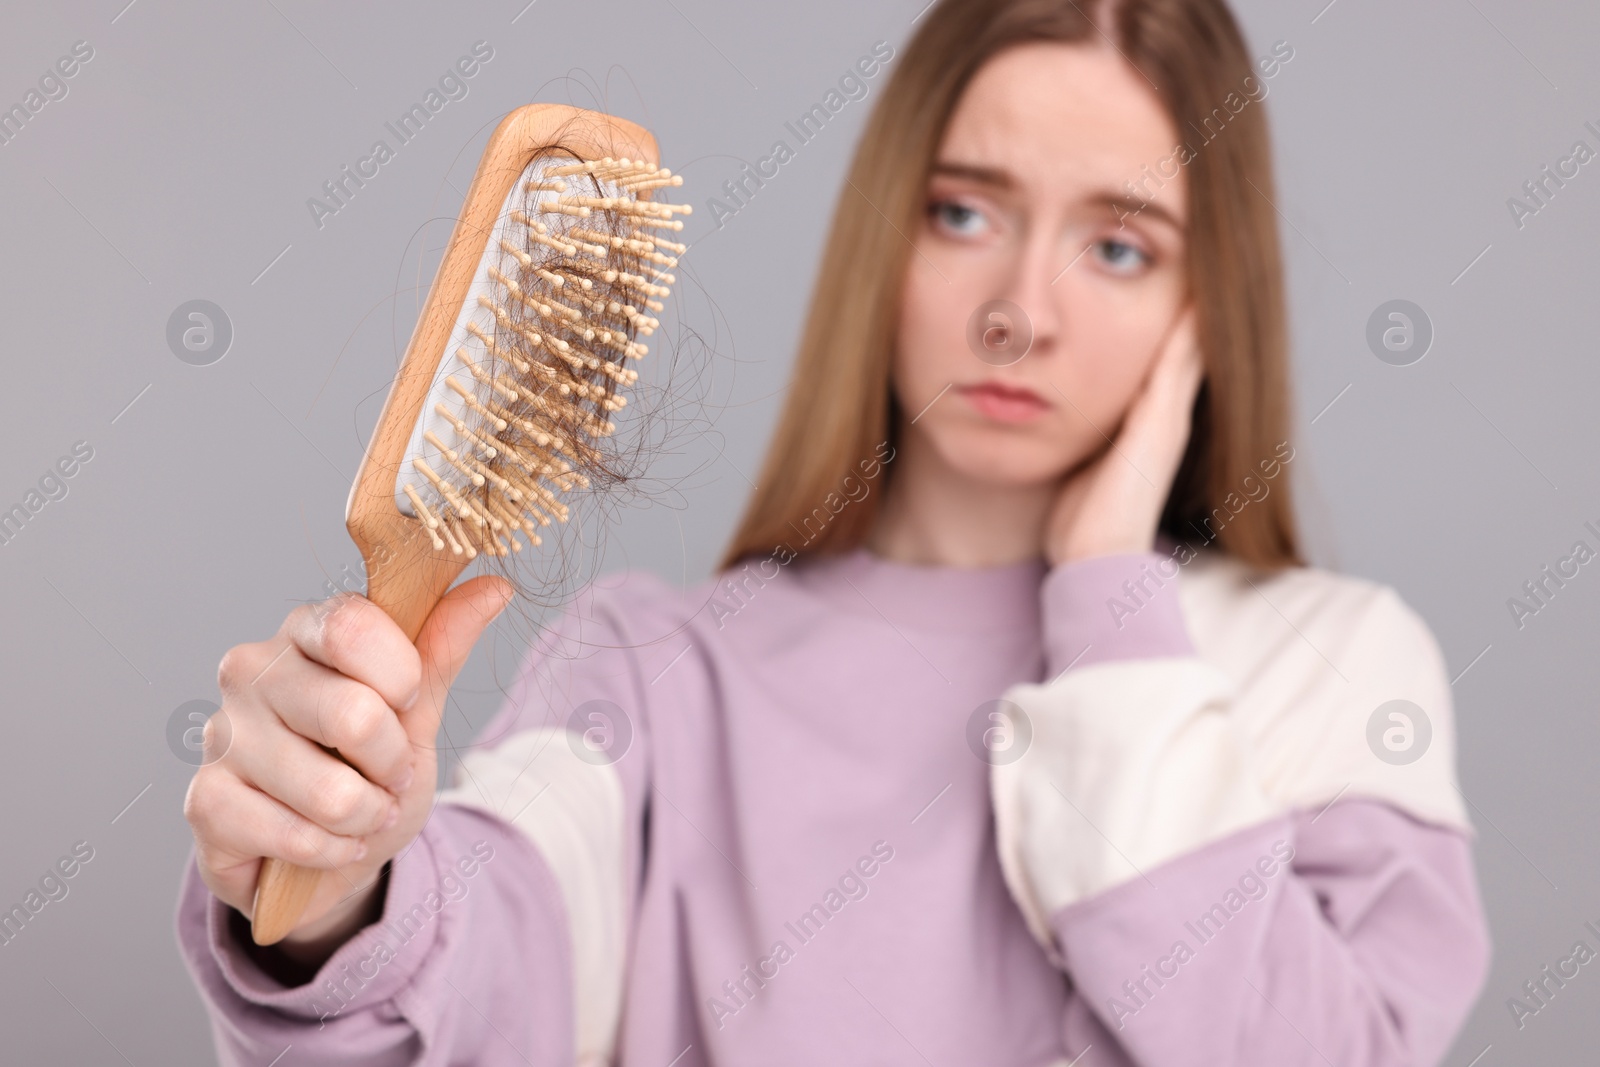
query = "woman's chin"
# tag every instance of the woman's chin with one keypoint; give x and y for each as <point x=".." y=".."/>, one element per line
<point x="1007" y="464"/>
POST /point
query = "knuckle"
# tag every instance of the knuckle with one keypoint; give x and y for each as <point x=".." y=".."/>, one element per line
<point x="196" y="801"/>
<point x="297" y="842"/>
<point x="348" y="626"/>
<point x="338" y="797"/>
<point x="356" y="720"/>
<point x="215" y="736"/>
<point x="298" y="617"/>
<point x="202" y="800"/>
<point x="234" y="671"/>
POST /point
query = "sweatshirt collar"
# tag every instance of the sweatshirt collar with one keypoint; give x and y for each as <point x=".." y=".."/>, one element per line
<point x="929" y="597"/>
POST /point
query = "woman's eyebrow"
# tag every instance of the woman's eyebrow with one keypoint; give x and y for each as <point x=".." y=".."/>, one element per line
<point x="1122" y="205"/>
<point x="994" y="176"/>
<point x="1118" y="204"/>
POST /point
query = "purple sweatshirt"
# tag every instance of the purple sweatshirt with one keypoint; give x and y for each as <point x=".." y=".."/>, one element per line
<point x="1126" y="811"/>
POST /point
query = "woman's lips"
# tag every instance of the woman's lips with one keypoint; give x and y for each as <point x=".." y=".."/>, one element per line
<point x="1004" y="403"/>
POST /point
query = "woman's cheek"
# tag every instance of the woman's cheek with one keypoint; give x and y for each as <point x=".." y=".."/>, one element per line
<point x="1118" y="390"/>
<point x="931" y="338"/>
<point x="1114" y="361"/>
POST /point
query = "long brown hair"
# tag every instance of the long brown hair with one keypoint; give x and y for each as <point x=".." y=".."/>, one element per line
<point x="839" y="410"/>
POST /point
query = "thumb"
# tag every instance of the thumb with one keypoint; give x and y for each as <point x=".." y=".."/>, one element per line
<point x="445" y="642"/>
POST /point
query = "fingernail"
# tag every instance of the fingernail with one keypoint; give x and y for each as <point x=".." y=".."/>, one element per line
<point x="412" y="699"/>
<point x="394" y="817"/>
<point x="404" y="781"/>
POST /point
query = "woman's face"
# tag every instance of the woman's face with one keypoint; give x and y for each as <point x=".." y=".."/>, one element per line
<point x="1029" y="203"/>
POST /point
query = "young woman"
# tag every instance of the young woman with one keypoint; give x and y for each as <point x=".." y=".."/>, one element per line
<point x="1014" y="730"/>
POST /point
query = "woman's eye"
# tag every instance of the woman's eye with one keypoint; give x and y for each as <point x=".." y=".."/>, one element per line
<point x="957" y="218"/>
<point x="1120" y="256"/>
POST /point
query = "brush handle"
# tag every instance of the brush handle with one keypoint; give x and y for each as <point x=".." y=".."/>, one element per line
<point x="406" y="579"/>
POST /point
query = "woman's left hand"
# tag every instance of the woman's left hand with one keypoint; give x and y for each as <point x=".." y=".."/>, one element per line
<point x="1113" y="504"/>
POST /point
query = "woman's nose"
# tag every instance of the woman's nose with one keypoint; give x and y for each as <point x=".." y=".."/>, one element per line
<point x="1030" y="287"/>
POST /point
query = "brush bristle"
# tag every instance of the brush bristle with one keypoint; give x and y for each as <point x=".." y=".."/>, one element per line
<point x="568" y="282"/>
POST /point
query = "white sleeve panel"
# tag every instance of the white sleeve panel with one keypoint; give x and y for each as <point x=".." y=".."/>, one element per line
<point x="1131" y="763"/>
<point x="573" y="811"/>
<point x="1138" y="760"/>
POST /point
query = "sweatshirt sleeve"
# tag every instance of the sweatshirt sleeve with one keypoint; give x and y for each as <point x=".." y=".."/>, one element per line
<point x="504" y="924"/>
<point x="440" y="978"/>
<point x="1203" y="913"/>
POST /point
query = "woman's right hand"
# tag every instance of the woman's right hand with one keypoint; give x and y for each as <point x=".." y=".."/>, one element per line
<point x="341" y="674"/>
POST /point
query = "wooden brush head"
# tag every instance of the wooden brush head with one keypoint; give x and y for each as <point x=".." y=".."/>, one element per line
<point x="555" y="265"/>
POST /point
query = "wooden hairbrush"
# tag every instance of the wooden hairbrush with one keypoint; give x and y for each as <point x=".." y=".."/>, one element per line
<point x="555" y="265"/>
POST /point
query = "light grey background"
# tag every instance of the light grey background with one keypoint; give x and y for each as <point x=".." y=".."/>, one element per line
<point x="179" y="165"/>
